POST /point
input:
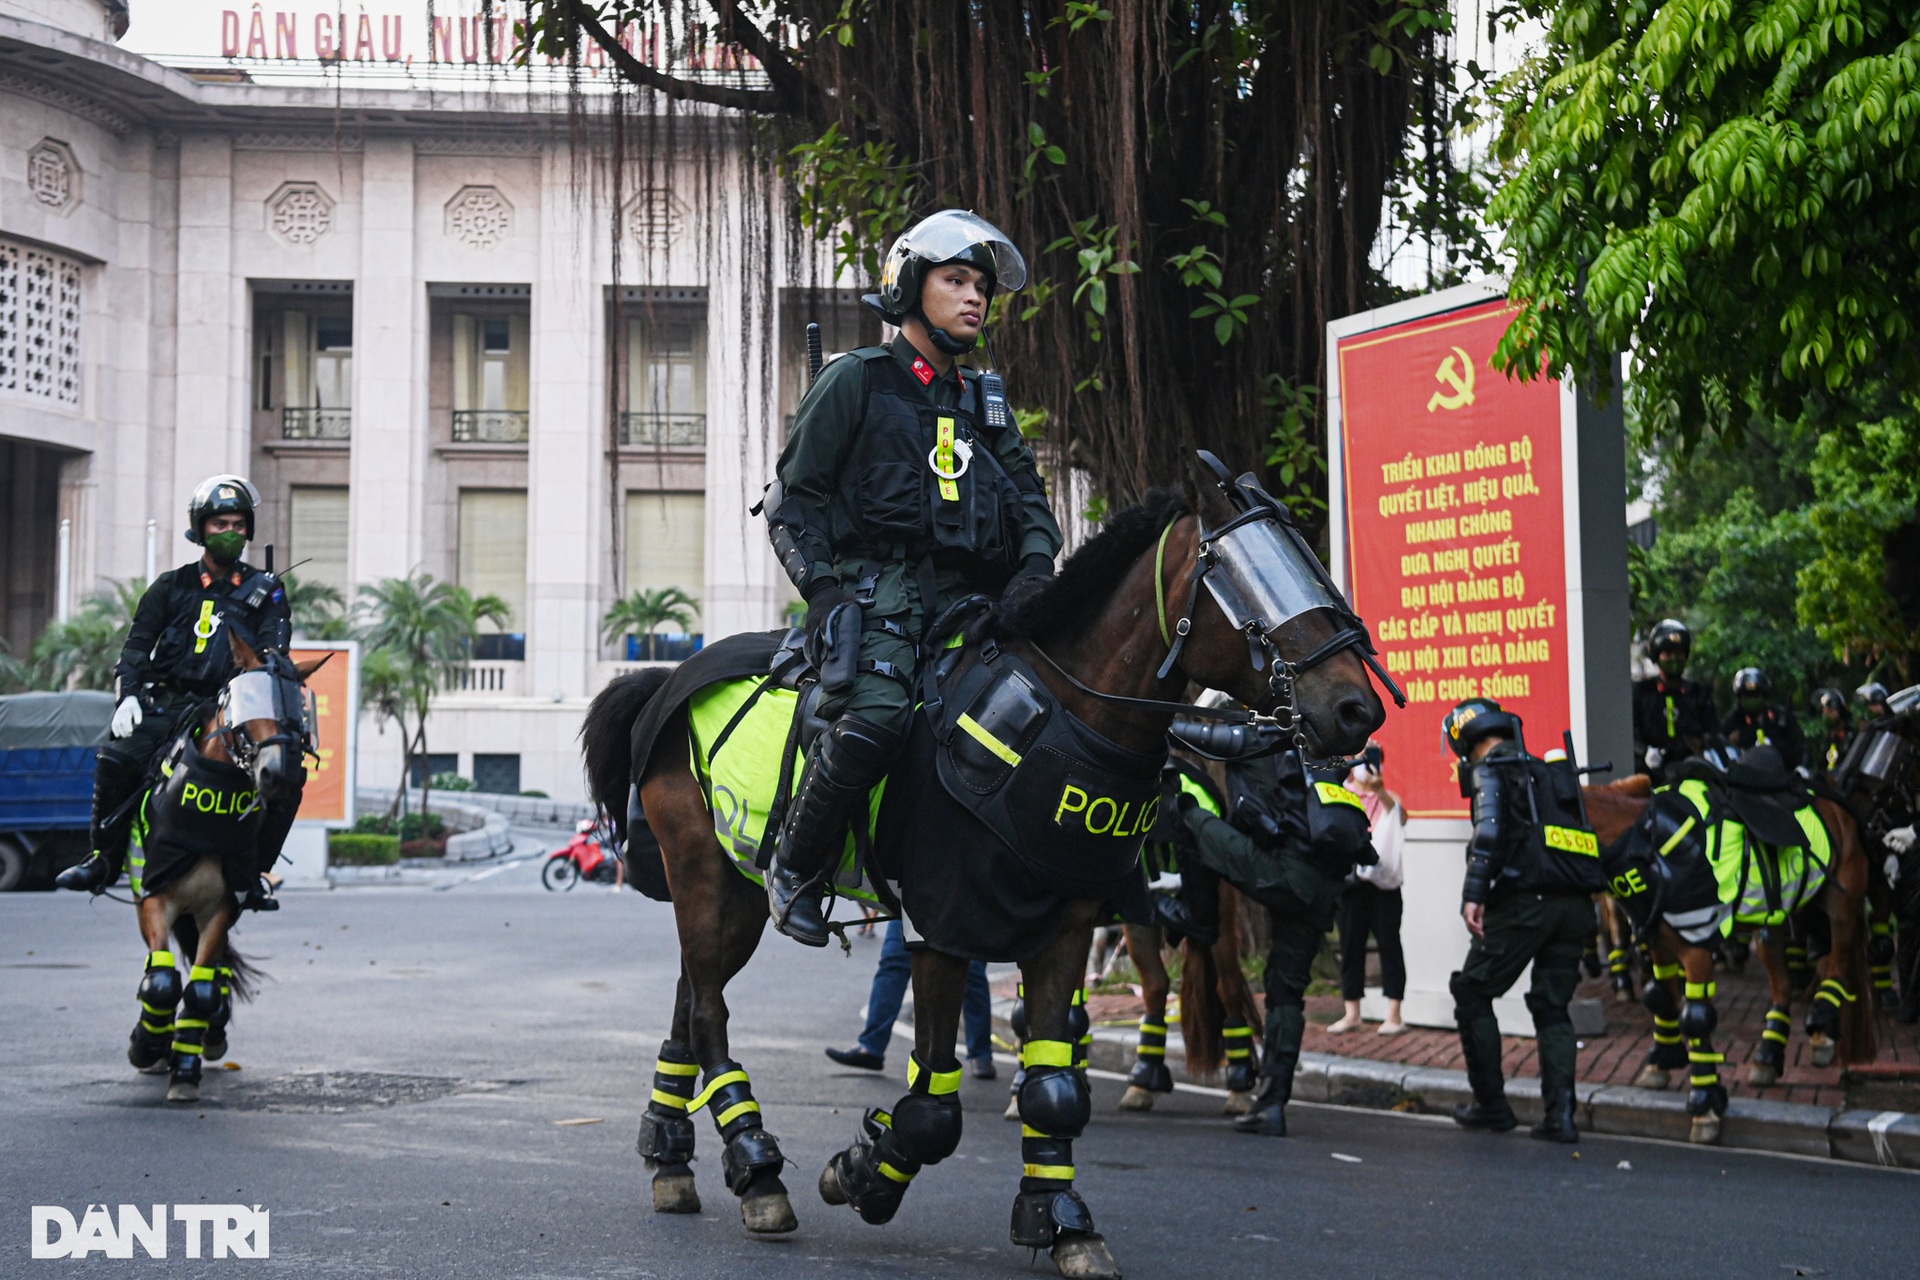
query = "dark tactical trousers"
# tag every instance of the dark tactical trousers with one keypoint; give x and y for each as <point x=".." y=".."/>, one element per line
<point x="1548" y="931"/>
<point x="117" y="774"/>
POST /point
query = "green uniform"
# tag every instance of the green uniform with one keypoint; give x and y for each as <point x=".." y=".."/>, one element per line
<point x="829" y="513"/>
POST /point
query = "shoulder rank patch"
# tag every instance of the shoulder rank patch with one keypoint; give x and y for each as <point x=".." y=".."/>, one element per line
<point x="923" y="371"/>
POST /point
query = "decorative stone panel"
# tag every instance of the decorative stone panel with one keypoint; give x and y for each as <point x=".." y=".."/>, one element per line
<point x="655" y="218"/>
<point x="300" y="213"/>
<point x="53" y="176"/>
<point x="479" y="217"/>
<point x="40" y="307"/>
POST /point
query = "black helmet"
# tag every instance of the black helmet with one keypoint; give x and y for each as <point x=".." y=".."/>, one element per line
<point x="1872" y="692"/>
<point x="1473" y="720"/>
<point x="1751" y="680"/>
<point x="952" y="235"/>
<point x="1829" y="698"/>
<point x="1670" y="633"/>
<point x="221" y="496"/>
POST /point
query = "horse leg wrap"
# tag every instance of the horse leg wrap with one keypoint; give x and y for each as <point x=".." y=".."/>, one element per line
<point x="1772" y="1049"/>
<point x="922" y="1129"/>
<point x="1706" y="1093"/>
<point x="1823" y="1014"/>
<point x="222" y="1015"/>
<point x="1080" y="1024"/>
<point x="1018" y="1018"/>
<point x="1669" y="1046"/>
<point x="750" y="1148"/>
<point x="1239" y="1040"/>
<point x="1799" y="971"/>
<point x="159" y="993"/>
<point x="666" y="1130"/>
<point x="198" y="1005"/>
<point x="1150" y="1062"/>
<point x="1880" y="955"/>
<point x="1055" y="1106"/>
<point x="1617" y="968"/>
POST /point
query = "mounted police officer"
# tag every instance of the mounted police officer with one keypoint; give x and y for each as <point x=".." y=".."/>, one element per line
<point x="1672" y="715"/>
<point x="1291" y="837"/>
<point x="1756" y="721"/>
<point x="1872" y="697"/>
<point x="1532" y="870"/>
<point x="175" y="657"/>
<point x="1836" y="724"/>
<point x="904" y="485"/>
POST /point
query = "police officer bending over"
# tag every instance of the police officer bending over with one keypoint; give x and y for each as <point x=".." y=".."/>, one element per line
<point x="1532" y="871"/>
<point x="1754" y="720"/>
<point x="1290" y="839"/>
<point x="904" y="485"/>
<point x="1672" y="715"/>
<point x="175" y="657"/>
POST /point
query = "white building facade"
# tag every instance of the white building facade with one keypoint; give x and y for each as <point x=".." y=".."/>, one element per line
<point x="395" y="310"/>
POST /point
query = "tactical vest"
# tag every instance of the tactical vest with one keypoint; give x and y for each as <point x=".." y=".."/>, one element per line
<point x="1337" y="830"/>
<point x="1286" y="807"/>
<point x="923" y="481"/>
<point x="1557" y="852"/>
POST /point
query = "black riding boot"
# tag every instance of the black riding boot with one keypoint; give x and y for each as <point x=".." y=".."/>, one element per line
<point x="272" y="838"/>
<point x="1480" y="1044"/>
<point x="114" y="783"/>
<point x="852" y="755"/>
<point x="1268" y="1115"/>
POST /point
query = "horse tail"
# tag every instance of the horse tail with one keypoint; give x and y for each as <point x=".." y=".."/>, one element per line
<point x="1236" y="993"/>
<point x="1202" y="1016"/>
<point x="243" y="976"/>
<point x="606" y="739"/>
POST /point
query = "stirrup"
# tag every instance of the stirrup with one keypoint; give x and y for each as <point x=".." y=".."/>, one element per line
<point x="783" y="916"/>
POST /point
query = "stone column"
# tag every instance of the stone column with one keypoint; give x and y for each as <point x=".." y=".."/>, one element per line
<point x="745" y="586"/>
<point x="387" y="472"/>
<point x="566" y="490"/>
<point x="210" y="433"/>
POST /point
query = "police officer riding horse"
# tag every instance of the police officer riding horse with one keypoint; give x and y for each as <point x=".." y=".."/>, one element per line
<point x="177" y="656"/>
<point x="904" y="486"/>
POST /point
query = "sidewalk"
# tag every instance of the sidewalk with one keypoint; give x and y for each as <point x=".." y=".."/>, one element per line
<point x="1861" y="1113"/>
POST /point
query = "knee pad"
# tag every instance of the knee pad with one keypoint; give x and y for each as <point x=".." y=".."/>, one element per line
<point x="1055" y="1100"/>
<point x="927" y="1128"/>
<point x="160" y="985"/>
<point x="1468" y="1002"/>
<point x="856" y="752"/>
<point x="747" y="1153"/>
<point x="198" y="1004"/>
<point x="1659" y="1000"/>
<point x="1698" y="1019"/>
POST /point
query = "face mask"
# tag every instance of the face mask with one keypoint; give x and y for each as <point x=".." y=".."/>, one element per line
<point x="1671" y="665"/>
<point x="225" y="548"/>
<point x="1752" y="704"/>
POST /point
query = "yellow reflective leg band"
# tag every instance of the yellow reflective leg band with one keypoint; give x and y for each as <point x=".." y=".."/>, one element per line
<point x="1058" y="1172"/>
<point x="160" y="960"/>
<point x="673" y="1100"/>
<point x="1046" y="1053"/>
<point x="1664" y="971"/>
<point x="735" y="1111"/>
<point x="1151" y="1050"/>
<point x="665" y="1068"/>
<point x="1157" y="1028"/>
<point x="714" y="1086"/>
<point x="158" y="1029"/>
<point x="1700" y="990"/>
<point x="154" y="1008"/>
<point x="201" y="973"/>
<point x="1778" y="1037"/>
<point x="1079" y="997"/>
<point x="895" y="1174"/>
<point x="940" y="1083"/>
<point x="1703" y="1082"/>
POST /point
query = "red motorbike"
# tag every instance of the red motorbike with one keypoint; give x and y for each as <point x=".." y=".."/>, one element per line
<point x="582" y="859"/>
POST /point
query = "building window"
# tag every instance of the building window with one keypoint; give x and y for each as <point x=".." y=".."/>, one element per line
<point x="666" y="548"/>
<point x="319" y="376"/>
<point x="317" y="521"/>
<point x="496" y="773"/>
<point x="39" y="324"/>
<point x="666" y="385"/>
<point x="433" y="764"/>
<point x="493" y="561"/>
<point x="490" y="379"/>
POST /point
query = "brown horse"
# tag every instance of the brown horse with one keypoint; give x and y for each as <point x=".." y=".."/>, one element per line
<point x="1217" y="1006"/>
<point x="1681" y="1011"/>
<point x="1098" y="631"/>
<point x="258" y="757"/>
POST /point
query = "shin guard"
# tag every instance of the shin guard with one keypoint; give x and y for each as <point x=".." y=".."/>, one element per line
<point x="1823" y="1014"/>
<point x="1054" y="1108"/>
<point x="922" y="1129"/>
<point x="159" y="994"/>
<point x="666" y="1130"/>
<point x="1669" y="1047"/>
<point x="1706" y="1093"/>
<point x="198" y="1005"/>
<point x="1240" y="1065"/>
<point x="750" y="1148"/>
<point x="1150" y="1061"/>
<point x="1772" y="1049"/>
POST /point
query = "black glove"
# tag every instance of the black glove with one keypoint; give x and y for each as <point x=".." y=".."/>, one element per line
<point x="1036" y="571"/>
<point x="821" y="602"/>
<point x="1037" y="565"/>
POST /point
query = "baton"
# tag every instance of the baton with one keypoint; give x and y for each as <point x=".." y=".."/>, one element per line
<point x="813" y="352"/>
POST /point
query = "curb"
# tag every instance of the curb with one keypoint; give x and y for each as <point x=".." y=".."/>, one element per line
<point x="1890" y="1139"/>
<point x="481" y="829"/>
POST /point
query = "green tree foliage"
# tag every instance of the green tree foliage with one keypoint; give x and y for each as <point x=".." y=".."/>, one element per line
<point x="418" y="634"/>
<point x="82" y="651"/>
<point x="1725" y="189"/>
<point x="641" y="613"/>
<point x="319" y="610"/>
<point x="1198" y="184"/>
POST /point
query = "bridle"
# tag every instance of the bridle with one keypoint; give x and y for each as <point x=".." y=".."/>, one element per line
<point x="1248" y="603"/>
<point x="283" y="700"/>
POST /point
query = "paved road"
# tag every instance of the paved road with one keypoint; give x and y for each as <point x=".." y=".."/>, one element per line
<point x="455" y="1027"/>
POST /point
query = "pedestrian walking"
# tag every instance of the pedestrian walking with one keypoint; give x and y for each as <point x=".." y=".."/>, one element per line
<point x="1532" y="870"/>
<point x="1371" y="904"/>
<point x="889" y="990"/>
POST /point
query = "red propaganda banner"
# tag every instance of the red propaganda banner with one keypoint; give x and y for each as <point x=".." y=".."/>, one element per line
<point x="1456" y="536"/>
<point x="326" y="798"/>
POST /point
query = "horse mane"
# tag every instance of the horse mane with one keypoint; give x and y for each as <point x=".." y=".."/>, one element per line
<point x="1071" y="599"/>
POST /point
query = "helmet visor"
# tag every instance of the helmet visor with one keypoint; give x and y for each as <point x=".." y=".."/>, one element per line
<point x="955" y="235"/>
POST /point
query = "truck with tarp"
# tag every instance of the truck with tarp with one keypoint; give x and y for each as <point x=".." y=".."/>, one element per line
<point x="48" y="742"/>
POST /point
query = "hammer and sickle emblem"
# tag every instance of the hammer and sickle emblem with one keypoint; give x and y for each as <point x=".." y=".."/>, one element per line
<point x="1461" y="380"/>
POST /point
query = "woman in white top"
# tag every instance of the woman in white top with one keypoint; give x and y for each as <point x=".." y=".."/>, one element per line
<point x="1371" y="904"/>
